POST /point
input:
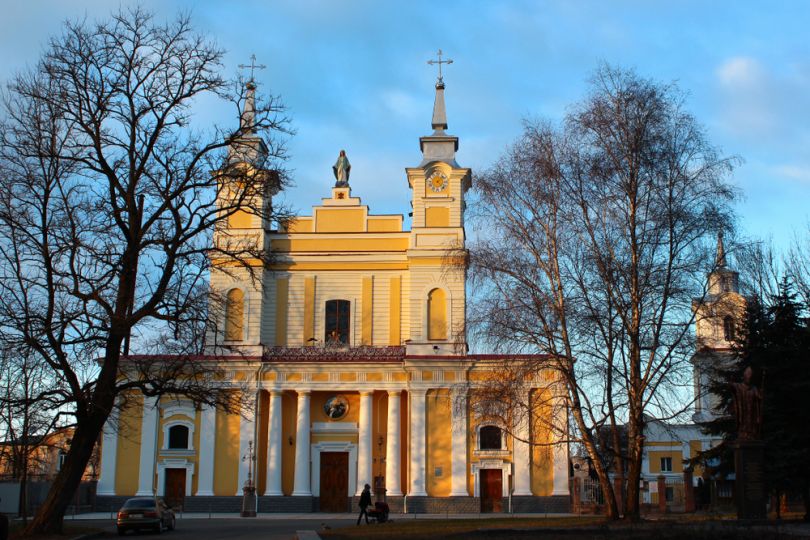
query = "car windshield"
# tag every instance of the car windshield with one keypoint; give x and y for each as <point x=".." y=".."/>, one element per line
<point x="139" y="503"/>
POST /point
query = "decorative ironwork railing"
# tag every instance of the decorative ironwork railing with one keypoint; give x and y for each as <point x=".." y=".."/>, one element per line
<point x="334" y="353"/>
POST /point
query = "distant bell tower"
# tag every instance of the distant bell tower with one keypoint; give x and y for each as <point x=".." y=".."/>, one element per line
<point x="718" y="318"/>
<point x="435" y="255"/>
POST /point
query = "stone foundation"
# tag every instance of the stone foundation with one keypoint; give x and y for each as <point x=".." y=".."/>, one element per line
<point x="557" y="504"/>
<point x="277" y="505"/>
<point x="397" y="505"/>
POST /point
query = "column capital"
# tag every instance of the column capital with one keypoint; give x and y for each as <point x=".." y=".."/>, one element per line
<point x="303" y="392"/>
<point x="275" y="392"/>
<point x="457" y="391"/>
<point x="394" y="393"/>
<point x="366" y="392"/>
<point x="418" y="391"/>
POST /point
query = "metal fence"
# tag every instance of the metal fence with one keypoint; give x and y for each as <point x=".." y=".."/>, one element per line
<point x="592" y="492"/>
<point x="674" y="492"/>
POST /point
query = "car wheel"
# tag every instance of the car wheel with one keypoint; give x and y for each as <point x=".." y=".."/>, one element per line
<point x="121" y="532"/>
<point x="172" y="523"/>
<point x="159" y="528"/>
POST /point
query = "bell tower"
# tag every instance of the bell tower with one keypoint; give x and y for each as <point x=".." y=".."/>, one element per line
<point x="245" y="189"/>
<point x="436" y="248"/>
<point x="718" y="317"/>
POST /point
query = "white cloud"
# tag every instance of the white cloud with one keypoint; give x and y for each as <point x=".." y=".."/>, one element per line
<point x="760" y="102"/>
<point x="401" y="103"/>
<point x="741" y="71"/>
<point x="794" y="172"/>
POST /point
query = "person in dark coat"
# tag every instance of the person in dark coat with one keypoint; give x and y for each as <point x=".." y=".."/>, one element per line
<point x="365" y="502"/>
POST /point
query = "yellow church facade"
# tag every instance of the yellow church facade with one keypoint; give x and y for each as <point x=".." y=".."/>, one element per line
<point x="350" y="351"/>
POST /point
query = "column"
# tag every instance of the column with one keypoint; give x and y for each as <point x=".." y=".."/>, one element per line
<point x="417" y="433"/>
<point x="392" y="446"/>
<point x="109" y="455"/>
<point x="208" y="427"/>
<point x="560" y="449"/>
<point x="521" y="456"/>
<point x="149" y="423"/>
<point x="247" y="431"/>
<point x="274" y="446"/>
<point x="364" y="444"/>
<point x="458" y="408"/>
<point x="301" y="484"/>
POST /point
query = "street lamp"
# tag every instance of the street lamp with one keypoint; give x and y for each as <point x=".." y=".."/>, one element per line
<point x="249" y="490"/>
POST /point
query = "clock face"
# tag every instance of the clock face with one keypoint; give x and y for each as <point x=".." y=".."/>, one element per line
<point x="437" y="182"/>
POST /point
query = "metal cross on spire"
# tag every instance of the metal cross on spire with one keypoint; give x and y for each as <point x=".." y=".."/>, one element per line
<point x="253" y="66"/>
<point x="440" y="62"/>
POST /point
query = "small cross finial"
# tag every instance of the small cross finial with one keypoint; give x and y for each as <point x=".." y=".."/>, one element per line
<point x="253" y="66"/>
<point x="440" y="62"/>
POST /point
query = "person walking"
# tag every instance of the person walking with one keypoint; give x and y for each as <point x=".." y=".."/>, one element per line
<point x="365" y="502"/>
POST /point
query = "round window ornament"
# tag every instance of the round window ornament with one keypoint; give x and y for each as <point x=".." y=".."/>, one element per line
<point x="336" y="407"/>
<point x="437" y="182"/>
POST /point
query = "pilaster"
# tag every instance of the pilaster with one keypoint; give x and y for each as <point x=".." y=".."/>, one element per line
<point x="149" y="423"/>
<point x="208" y="426"/>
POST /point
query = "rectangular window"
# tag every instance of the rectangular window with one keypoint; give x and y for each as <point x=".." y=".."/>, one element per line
<point x="337" y="321"/>
<point x="666" y="464"/>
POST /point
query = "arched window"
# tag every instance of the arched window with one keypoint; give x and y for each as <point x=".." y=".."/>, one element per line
<point x="437" y="314"/>
<point x="489" y="438"/>
<point x="728" y="328"/>
<point x="338" y="314"/>
<point x="234" y="314"/>
<point x="178" y="438"/>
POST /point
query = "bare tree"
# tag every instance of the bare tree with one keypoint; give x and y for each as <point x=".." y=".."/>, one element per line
<point x="798" y="265"/>
<point x="594" y="243"/>
<point x="26" y="418"/>
<point x="109" y="197"/>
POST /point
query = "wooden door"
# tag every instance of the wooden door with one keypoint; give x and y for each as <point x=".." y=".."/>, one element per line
<point x="491" y="488"/>
<point x="334" y="482"/>
<point x="175" y="488"/>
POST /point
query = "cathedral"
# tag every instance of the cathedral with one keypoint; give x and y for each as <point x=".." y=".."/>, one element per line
<point x="351" y="352"/>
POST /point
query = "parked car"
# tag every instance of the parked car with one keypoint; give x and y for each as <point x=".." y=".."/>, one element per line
<point x="145" y="513"/>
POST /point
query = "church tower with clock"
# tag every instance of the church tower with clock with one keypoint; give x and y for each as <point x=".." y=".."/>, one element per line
<point x="438" y="186"/>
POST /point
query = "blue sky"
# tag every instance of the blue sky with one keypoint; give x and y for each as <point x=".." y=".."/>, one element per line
<point x="353" y="75"/>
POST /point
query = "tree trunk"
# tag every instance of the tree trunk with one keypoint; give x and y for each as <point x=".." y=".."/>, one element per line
<point x="24" y="489"/>
<point x="806" y="499"/>
<point x="635" y="445"/>
<point x="601" y="472"/>
<point x="50" y="515"/>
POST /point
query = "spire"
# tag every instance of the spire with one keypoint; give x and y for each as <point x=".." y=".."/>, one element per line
<point x="439" y="146"/>
<point x="439" y="122"/>
<point x="720" y="260"/>
<point x="247" y="146"/>
<point x="248" y="120"/>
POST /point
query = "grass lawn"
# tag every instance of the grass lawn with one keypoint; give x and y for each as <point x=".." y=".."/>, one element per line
<point x="441" y="528"/>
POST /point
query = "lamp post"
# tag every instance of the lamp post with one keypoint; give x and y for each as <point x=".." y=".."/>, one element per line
<point x="380" y="487"/>
<point x="249" y="490"/>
